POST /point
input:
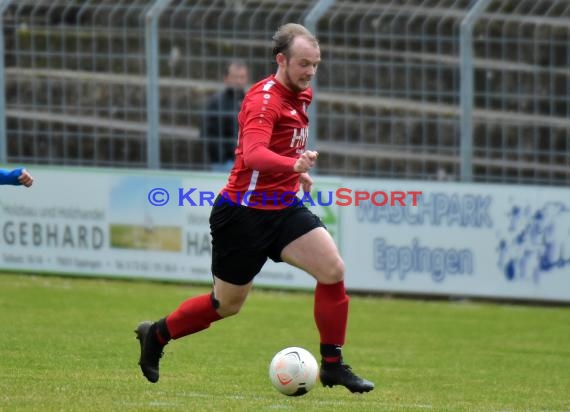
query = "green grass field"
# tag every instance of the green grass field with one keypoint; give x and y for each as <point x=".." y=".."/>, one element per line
<point x="67" y="344"/>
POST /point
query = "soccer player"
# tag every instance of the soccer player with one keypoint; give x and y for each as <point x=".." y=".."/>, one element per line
<point x="271" y="160"/>
<point x="16" y="177"/>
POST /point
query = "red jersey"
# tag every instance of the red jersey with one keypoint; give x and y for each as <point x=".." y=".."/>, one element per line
<point x="273" y="132"/>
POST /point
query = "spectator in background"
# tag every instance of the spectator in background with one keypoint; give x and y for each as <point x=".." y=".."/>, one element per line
<point x="220" y="128"/>
<point x="16" y="177"/>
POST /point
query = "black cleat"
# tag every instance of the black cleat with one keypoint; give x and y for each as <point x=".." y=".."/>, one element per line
<point x="151" y="350"/>
<point x="339" y="373"/>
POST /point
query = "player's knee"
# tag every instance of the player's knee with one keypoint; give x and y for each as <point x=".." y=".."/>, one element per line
<point x="334" y="272"/>
<point x="229" y="308"/>
<point x="338" y="271"/>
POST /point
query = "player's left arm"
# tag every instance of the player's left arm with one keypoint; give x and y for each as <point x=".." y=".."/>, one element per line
<point x="26" y="178"/>
<point x="16" y="177"/>
<point x="306" y="182"/>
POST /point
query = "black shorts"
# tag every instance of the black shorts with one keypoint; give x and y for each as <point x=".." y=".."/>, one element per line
<point x="243" y="237"/>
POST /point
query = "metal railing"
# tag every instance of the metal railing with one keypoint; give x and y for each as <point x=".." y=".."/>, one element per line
<point x="471" y="90"/>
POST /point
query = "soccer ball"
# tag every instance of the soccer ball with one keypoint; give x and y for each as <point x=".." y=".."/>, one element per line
<point x="293" y="371"/>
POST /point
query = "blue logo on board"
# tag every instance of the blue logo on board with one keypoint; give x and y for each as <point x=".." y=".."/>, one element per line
<point x="537" y="241"/>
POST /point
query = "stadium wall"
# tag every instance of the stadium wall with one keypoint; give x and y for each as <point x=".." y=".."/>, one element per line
<point x="458" y="240"/>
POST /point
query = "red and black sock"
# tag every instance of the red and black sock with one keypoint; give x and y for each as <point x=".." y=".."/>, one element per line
<point x="331" y="317"/>
<point x="193" y="315"/>
<point x="162" y="333"/>
<point x="331" y="353"/>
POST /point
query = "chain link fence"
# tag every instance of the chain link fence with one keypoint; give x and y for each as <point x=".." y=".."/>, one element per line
<point x="522" y="92"/>
<point x="119" y="83"/>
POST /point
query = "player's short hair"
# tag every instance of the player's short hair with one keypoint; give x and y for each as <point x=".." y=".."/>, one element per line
<point x="284" y="36"/>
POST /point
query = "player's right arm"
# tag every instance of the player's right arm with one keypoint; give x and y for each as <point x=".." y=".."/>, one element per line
<point x="259" y="118"/>
<point x="306" y="161"/>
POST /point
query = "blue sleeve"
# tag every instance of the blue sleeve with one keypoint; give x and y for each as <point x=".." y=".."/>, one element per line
<point x="10" y="177"/>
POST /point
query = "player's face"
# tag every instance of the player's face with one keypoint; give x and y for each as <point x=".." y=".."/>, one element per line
<point x="301" y="66"/>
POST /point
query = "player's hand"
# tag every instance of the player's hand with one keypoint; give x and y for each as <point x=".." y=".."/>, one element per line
<point x="306" y="161"/>
<point x="306" y="182"/>
<point x="26" y="178"/>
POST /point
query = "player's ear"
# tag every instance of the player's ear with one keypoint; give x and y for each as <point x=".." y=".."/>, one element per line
<point x="281" y="59"/>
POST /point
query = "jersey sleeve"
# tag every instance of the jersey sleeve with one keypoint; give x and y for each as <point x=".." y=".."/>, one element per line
<point x="260" y="117"/>
<point x="10" y="177"/>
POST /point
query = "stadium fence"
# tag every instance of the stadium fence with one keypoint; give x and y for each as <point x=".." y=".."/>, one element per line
<point x="461" y="90"/>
